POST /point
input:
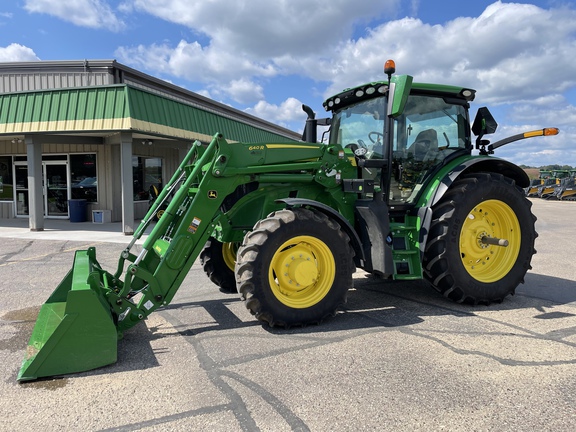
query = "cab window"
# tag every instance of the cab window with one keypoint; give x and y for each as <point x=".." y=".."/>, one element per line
<point x="428" y="131"/>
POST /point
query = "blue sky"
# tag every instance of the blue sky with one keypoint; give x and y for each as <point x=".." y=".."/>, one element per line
<point x="268" y="57"/>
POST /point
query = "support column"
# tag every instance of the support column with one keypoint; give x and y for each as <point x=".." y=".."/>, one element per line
<point x="35" y="193"/>
<point x="127" y="183"/>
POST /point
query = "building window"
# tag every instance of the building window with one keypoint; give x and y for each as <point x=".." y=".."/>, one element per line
<point x="83" y="176"/>
<point x="6" y="188"/>
<point x="147" y="177"/>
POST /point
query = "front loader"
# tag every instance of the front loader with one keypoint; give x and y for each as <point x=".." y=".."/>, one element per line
<point x="394" y="191"/>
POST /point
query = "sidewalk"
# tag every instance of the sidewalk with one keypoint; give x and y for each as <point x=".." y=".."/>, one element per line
<point x="63" y="229"/>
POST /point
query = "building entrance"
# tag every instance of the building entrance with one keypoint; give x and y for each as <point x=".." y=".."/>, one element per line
<point x="55" y="187"/>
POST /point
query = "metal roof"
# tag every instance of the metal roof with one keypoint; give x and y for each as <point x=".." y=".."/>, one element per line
<point x="120" y="108"/>
<point x="44" y="75"/>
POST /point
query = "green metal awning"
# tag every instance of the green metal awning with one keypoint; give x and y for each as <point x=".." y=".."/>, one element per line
<point x="119" y="108"/>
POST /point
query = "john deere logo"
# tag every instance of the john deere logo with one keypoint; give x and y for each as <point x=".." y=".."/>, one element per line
<point x="212" y="194"/>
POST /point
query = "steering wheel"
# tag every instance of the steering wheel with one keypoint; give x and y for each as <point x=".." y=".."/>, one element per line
<point x="378" y="136"/>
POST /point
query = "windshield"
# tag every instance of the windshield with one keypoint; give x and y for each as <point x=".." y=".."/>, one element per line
<point x="361" y="125"/>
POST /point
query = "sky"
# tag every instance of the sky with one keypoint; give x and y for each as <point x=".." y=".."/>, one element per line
<point x="268" y="57"/>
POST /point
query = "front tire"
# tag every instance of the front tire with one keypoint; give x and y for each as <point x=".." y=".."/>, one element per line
<point x="295" y="268"/>
<point x="218" y="260"/>
<point x="457" y="260"/>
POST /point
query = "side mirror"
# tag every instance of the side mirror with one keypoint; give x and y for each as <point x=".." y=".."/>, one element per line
<point x="484" y="123"/>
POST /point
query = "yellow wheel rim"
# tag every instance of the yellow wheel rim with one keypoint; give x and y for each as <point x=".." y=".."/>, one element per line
<point x="159" y="214"/>
<point x="229" y="254"/>
<point x="302" y="272"/>
<point x="484" y="262"/>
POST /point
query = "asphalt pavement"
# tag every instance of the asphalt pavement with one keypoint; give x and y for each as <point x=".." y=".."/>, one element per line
<point x="399" y="357"/>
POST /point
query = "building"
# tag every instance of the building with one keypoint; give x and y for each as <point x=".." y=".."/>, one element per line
<point x="99" y="131"/>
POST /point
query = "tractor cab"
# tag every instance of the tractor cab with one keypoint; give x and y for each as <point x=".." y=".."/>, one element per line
<point x="401" y="132"/>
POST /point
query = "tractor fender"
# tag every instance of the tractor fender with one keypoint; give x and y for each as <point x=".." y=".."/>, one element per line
<point x="333" y="214"/>
<point x="472" y="165"/>
<point x="479" y="164"/>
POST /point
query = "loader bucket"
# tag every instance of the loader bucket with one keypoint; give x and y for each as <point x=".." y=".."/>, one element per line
<point x="74" y="331"/>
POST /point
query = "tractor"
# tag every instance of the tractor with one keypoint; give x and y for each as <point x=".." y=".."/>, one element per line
<point x="392" y="188"/>
<point x="532" y="189"/>
<point x="566" y="189"/>
<point x="548" y="189"/>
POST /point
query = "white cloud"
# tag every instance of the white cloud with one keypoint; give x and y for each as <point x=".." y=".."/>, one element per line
<point x="557" y="113"/>
<point x="267" y="29"/>
<point x="244" y="91"/>
<point x="547" y="111"/>
<point x="510" y="52"/>
<point x="144" y="56"/>
<point x="287" y="112"/>
<point x="83" y="13"/>
<point x="17" y="53"/>
<point x="261" y="38"/>
<point x="195" y="63"/>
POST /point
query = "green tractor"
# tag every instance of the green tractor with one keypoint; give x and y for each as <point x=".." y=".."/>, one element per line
<point x="548" y="189"/>
<point x="532" y="188"/>
<point x="394" y="191"/>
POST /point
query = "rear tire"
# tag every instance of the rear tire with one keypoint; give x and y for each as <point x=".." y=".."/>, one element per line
<point x="456" y="261"/>
<point x="295" y="268"/>
<point x="218" y="261"/>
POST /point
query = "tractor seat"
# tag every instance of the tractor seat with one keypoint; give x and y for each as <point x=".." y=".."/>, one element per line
<point x="426" y="141"/>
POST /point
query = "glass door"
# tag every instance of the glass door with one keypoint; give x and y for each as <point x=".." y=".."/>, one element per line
<point x="55" y="176"/>
<point x="55" y="183"/>
<point x="21" y="183"/>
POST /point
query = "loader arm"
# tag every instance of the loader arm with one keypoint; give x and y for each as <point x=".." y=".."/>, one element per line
<point x="193" y="214"/>
<point x="154" y="276"/>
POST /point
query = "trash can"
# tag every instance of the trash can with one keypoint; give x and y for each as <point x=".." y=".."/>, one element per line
<point x="77" y="209"/>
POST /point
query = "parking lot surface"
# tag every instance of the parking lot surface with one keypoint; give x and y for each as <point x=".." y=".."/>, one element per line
<point x="399" y="357"/>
